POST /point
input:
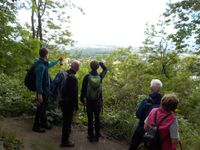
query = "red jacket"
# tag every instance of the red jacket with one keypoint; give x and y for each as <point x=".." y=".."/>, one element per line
<point x="164" y="127"/>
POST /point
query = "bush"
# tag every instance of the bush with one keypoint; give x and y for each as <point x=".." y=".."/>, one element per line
<point x="189" y="134"/>
<point x="10" y="142"/>
<point x="15" y="99"/>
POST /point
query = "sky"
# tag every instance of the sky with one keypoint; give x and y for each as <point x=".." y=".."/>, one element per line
<point x="114" y="22"/>
<point x="111" y="22"/>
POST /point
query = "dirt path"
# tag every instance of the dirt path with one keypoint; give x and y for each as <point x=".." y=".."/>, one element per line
<point x="51" y="139"/>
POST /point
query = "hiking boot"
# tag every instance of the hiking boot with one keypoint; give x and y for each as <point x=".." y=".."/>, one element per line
<point x="67" y="144"/>
<point x="39" y="130"/>
<point x="96" y="139"/>
<point x="90" y="138"/>
<point x="48" y="127"/>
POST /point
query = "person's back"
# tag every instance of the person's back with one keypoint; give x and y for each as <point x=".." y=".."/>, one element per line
<point x="69" y="103"/>
<point x="153" y="101"/>
<point x="42" y="89"/>
<point x="168" y="129"/>
<point x="91" y="94"/>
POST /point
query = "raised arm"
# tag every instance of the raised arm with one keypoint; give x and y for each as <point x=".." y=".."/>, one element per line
<point x="104" y="70"/>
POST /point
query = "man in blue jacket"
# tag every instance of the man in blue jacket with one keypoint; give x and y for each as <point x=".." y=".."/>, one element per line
<point x="153" y="101"/>
<point x="42" y="86"/>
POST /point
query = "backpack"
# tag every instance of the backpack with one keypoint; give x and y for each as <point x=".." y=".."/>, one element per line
<point x="57" y="85"/>
<point x="151" y="138"/>
<point x="94" y="87"/>
<point x="30" y="78"/>
<point x="147" y="108"/>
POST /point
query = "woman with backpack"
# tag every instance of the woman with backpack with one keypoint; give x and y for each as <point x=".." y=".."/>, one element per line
<point x="166" y="124"/>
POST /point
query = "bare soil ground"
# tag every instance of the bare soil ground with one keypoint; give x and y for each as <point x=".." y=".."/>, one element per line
<point x="51" y="139"/>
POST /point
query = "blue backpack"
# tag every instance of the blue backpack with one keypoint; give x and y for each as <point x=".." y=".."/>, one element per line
<point x="147" y="108"/>
<point x="57" y="85"/>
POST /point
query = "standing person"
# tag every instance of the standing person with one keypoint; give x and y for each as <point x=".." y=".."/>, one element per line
<point x="168" y="128"/>
<point x="69" y="104"/>
<point x="91" y="95"/>
<point x="153" y="101"/>
<point x="42" y="88"/>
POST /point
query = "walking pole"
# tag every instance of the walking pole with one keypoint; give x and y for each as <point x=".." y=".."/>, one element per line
<point x="84" y="109"/>
<point x="180" y="145"/>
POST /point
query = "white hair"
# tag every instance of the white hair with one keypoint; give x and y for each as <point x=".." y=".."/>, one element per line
<point x="156" y="83"/>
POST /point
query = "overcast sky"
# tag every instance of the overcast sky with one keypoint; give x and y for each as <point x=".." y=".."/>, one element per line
<point x="114" y="22"/>
<point x="111" y="22"/>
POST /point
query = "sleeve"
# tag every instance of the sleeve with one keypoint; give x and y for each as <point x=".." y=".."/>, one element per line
<point x="173" y="129"/>
<point x="39" y="78"/>
<point x="84" y="88"/>
<point x="139" y="112"/>
<point x="104" y="70"/>
<point x="145" y="121"/>
<point x="52" y="63"/>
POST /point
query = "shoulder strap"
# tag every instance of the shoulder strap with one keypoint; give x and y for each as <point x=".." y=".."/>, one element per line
<point x="64" y="74"/>
<point x="149" y="99"/>
<point x="163" y="119"/>
<point x="155" y="118"/>
<point x="180" y="144"/>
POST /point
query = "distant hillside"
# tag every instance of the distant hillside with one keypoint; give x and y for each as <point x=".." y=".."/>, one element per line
<point x="93" y="50"/>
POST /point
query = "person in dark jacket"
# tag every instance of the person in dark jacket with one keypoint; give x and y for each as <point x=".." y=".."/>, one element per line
<point x="93" y="99"/>
<point x="153" y="101"/>
<point x="69" y="104"/>
<point x="42" y="87"/>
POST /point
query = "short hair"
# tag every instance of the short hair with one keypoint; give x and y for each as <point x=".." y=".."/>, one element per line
<point x="94" y="65"/>
<point x="43" y="52"/>
<point x="156" y="83"/>
<point x="75" y="63"/>
<point x="169" y="102"/>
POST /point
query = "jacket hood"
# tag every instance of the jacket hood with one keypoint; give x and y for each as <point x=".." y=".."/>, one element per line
<point x="156" y="97"/>
<point x="39" y="61"/>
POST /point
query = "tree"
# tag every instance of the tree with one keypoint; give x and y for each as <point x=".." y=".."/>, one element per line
<point x="15" y="47"/>
<point x="7" y="20"/>
<point x="160" y="51"/>
<point x="50" y="21"/>
<point x="185" y="17"/>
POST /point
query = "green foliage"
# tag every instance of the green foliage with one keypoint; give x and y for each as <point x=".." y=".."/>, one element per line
<point x="10" y="142"/>
<point x="129" y="74"/>
<point x="189" y="134"/>
<point x="15" y="100"/>
<point x="159" y="49"/>
<point x="185" y="16"/>
<point x="50" y="21"/>
<point x="54" y="114"/>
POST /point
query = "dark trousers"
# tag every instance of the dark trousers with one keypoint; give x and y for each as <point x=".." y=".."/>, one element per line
<point x="40" y="115"/>
<point x="67" y="113"/>
<point x="93" y="112"/>
<point x="136" y="140"/>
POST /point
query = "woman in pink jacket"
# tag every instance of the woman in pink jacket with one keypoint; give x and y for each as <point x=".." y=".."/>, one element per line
<point x="168" y="129"/>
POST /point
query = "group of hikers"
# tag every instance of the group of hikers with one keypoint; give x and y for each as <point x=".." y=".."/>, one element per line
<point x="155" y="113"/>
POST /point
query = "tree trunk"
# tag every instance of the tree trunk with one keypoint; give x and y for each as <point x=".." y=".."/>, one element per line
<point x="32" y="24"/>
<point x="39" y="34"/>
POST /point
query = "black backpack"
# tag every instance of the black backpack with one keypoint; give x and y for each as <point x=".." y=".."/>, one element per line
<point x="152" y="139"/>
<point x="30" y="78"/>
<point x="147" y="108"/>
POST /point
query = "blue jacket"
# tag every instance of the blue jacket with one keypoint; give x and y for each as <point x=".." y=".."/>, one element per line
<point x="141" y="112"/>
<point x="43" y="79"/>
